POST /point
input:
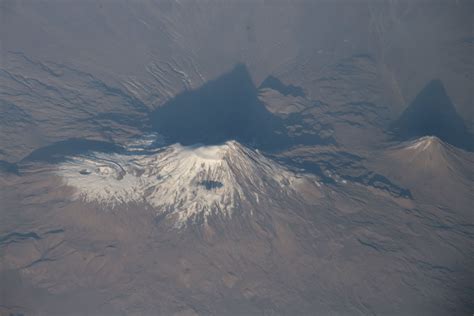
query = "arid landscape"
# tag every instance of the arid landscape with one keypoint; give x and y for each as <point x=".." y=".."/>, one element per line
<point x="236" y="157"/>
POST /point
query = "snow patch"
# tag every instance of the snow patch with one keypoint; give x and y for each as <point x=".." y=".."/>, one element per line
<point x="423" y="143"/>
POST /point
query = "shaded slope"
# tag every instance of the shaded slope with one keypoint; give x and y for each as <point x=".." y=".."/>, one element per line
<point x="433" y="114"/>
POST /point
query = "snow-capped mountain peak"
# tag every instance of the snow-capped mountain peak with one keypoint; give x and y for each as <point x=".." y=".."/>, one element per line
<point x="183" y="182"/>
<point x="424" y="143"/>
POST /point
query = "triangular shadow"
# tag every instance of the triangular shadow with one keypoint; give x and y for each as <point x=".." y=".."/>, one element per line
<point x="226" y="108"/>
<point x="432" y="113"/>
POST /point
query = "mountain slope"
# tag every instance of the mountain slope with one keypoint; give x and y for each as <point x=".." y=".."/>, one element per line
<point x="253" y="237"/>
<point x="187" y="183"/>
<point x="436" y="172"/>
<point x="433" y="114"/>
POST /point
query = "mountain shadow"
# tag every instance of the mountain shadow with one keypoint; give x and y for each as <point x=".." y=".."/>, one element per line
<point x="226" y="108"/>
<point x="59" y="151"/>
<point x="8" y="167"/>
<point x="275" y="84"/>
<point x="433" y="114"/>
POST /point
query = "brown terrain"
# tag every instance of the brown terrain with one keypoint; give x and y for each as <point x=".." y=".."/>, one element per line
<point x="236" y="158"/>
